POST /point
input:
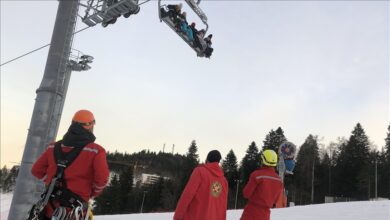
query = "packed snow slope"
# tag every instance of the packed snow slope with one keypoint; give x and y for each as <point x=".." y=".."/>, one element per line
<point x="368" y="210"/>
<point x="5" y="203"/>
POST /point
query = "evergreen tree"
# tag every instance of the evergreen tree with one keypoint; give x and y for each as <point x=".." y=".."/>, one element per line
<point x="191" y="161"/>
<point x="274" y="139"/>
<point x="250" y="162"/>
<point x="3" y="175"/>
<point x="9" y="181"/>
<point x="305" y="171"/>
<point x="169" y="195"/>
<point x="384" y="169"/>
<point x="323" y="175"/>
<point x="352" y="166"/>
<point x="153" y="201"/>
<point x="230" y="168"/>
<point x="125" y="188"/>
<point x="109" y="201"/>
<point x="192" y="154"/>
<point x="387" y="145"/>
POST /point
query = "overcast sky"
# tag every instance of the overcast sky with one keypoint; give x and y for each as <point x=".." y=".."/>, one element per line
<point x="311" y="67"/>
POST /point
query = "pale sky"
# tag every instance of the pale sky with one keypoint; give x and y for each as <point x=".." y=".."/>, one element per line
<point x="311" y="67"/>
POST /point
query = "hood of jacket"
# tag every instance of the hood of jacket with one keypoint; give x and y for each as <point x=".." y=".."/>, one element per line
<point x="77" y="136"/>
<point x="214" y="168"/>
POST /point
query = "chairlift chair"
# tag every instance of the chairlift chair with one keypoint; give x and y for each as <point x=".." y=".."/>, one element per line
<point x="198" y="11"/>
<point x="107" y="11"/>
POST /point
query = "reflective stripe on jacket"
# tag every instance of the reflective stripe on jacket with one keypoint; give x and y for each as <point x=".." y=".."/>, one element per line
<point x="86" y="176"/>
<point x="262" y="191"/>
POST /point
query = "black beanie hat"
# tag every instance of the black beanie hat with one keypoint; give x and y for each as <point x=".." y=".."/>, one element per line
<point x="213" y="156"/>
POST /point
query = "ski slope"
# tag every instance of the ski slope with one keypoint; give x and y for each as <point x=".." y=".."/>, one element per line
<point x="5" y="203"/>
<point x="367" y="210"/>
<point x="370" y="210"/>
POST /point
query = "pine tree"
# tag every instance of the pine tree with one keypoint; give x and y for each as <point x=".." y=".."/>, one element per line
<point x="192" y="154"/>
<point x="274" y="139"/>
<point x="250" y="162"/>
<point x="322" y="174"/>
<point x="153" y="201"/>
<point x="168" y="195"/>
<point x="192" y="160"/>
<point x="9" y="181"/>
<point x="352" y="166"/>
<point x="387" y="145"/>
<point x="3" y="175"/>
<point x="306" y="166"/>
<point x="125" y="187"/>
<point x="230" y="168"/>
<point x="108" y="202"/>
<point x="384" y="169"/>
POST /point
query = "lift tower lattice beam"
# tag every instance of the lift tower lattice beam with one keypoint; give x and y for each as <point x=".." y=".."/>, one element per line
<point x="47" y="109"/>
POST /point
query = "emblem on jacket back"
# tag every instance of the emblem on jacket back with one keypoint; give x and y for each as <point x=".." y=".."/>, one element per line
<point x="216" y="189"/>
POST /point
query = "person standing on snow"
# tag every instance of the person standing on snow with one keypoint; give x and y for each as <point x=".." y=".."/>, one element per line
<point x="205" y="195"/>
<point x="263" y="188"/>
<point x="82" y="179"/>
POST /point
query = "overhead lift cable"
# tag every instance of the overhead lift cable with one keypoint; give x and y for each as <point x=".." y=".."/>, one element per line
<point x="16" y="58"/>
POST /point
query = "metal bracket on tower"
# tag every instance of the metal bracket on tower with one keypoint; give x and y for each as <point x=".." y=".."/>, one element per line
<point x="79" y="61"/>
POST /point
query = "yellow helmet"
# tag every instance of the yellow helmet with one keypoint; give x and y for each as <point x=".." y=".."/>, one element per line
<point x="269" y="158"/>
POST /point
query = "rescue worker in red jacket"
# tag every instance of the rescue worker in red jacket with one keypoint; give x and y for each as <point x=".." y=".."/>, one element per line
<point x="263" y="189"/>
<point x="205" y="195"/>
<point x="88" y="174"/>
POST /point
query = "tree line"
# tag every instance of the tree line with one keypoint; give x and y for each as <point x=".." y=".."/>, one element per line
<point x="8" y="178"/>
<point x="348" y="169"/>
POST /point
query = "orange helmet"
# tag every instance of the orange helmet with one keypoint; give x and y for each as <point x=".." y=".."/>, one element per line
<point x="85" y="118"/>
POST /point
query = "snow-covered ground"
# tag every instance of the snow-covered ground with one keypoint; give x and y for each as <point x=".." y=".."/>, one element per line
<point x="369" y="210"/>
<point x="378" y="210"/>
<point x="5" y="200"/>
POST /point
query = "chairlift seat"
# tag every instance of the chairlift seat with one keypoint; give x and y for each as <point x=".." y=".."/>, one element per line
<point x="170" y="23"/>
<point x="112" y="12"/>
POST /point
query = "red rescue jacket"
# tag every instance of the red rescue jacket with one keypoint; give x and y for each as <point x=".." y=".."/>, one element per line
<point x="205" y="195"/>
<point x="86" y="176"/>
<point x="262" y="191"/>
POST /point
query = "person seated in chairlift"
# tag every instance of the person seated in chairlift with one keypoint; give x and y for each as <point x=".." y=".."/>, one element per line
<point x="173" y="11"/>
<point x="195" y="31"/>
<point x="203" y="44"/>
<point x="184" y="26"/>
<point x="209" y="50"/>
<point x="175" y="15"/>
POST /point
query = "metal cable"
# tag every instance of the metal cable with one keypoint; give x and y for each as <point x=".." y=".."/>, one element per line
<point x="9" y="61"/>
<point x="143" y="2"/>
